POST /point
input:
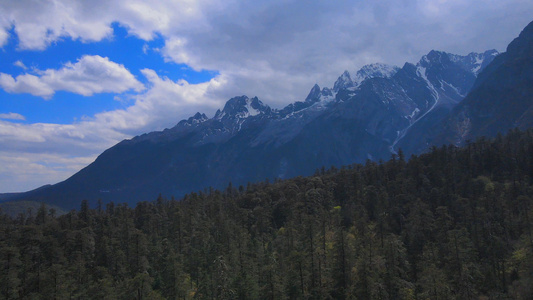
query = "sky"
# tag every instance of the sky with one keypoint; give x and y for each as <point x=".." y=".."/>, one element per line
<point x="77" y="77"/>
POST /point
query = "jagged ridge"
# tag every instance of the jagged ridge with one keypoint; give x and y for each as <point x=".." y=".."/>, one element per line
<point x="358" y="119"/>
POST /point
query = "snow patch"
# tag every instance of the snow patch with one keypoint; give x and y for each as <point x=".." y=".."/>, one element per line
<point x="251" y="111"/>
<point x="421" y="71"/>
<point x="376" y="70"/>
<point x="442" y="82"/>
<point x="415" y="111"/>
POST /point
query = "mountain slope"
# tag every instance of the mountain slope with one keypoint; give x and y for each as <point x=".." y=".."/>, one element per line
<point x="501" y="99"/>
<point x="358" y="119"/>
<point x="449" y="85"/>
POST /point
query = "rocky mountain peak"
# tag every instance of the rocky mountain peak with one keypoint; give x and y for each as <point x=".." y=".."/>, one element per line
<point x="523" y="44"/>
<point x="435" y="57"/>
<point x="314" y="94"/>
<point x="343" y="82"/>
<point x="474" y="62"/>
<point x="242" y="107"/>
<point x="196" y="119"/>
<point x="376" y="70"/>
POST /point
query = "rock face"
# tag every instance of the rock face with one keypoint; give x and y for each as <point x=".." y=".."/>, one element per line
<point x="450" y="78"/>
<point x="501" y="99"/>
<point x="358" y="119"/>
<point x="444" y="98"/>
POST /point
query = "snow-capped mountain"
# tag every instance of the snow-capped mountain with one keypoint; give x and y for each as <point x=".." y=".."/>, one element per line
<point x="475" y="62"/>
<point x="242" y="107"/>
<point x="364" y="117"/>
<point x="500" y="100"/>
<point x="344" y="82"/>
<point x="376" y="70"/>
<point x="449" y="77"/>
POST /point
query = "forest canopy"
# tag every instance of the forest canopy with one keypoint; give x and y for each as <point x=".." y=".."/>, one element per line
<point x="454" y="223"/>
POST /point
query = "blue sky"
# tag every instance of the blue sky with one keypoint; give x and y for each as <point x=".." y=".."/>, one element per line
<point x="122" y="48"/>
<point x="77" y="77"/>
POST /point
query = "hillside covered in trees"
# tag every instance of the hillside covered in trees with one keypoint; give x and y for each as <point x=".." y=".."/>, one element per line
<point x="454" y="223"/>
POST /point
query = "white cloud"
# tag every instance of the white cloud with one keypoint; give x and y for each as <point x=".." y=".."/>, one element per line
<point x="20" y="64"/>
<point x="4" y="36"/>
<point x="12" y="116"/>
<point x="277" y="50"/>
<point x="295" y="45"/>
<point x="83" y="137"/>
<point x="89" y="75"/>
<point x="5" y="24"/>
<point x="35" y="154"/>
<point x="40" y="23"/>
<point x="164" y="100"/>
<point x="26" y="83"/>
<point x="17" y="169"/>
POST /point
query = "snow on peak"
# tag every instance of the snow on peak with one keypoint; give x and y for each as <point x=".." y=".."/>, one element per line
<point x="326" y="95"/>
<point x="320" y="95"/>
<point x="196" y="119"/>
<point x="253" y="110"/>
<point x="476" y="62"/>
<point x="376" y="70"/>
<point x="473" y="62"/>
<point x="435" y="57"/>
<point x="344" y="81"/>
<point x="242" y="107"/>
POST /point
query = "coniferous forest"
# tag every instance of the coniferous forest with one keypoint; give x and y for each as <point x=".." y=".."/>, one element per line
<point x="455" y="223"/>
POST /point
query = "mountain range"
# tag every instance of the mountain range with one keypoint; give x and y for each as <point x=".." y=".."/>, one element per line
<point x="443" y="98"/>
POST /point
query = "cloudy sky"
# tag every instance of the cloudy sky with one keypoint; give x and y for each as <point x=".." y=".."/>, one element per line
<point x="76" y="77"/>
